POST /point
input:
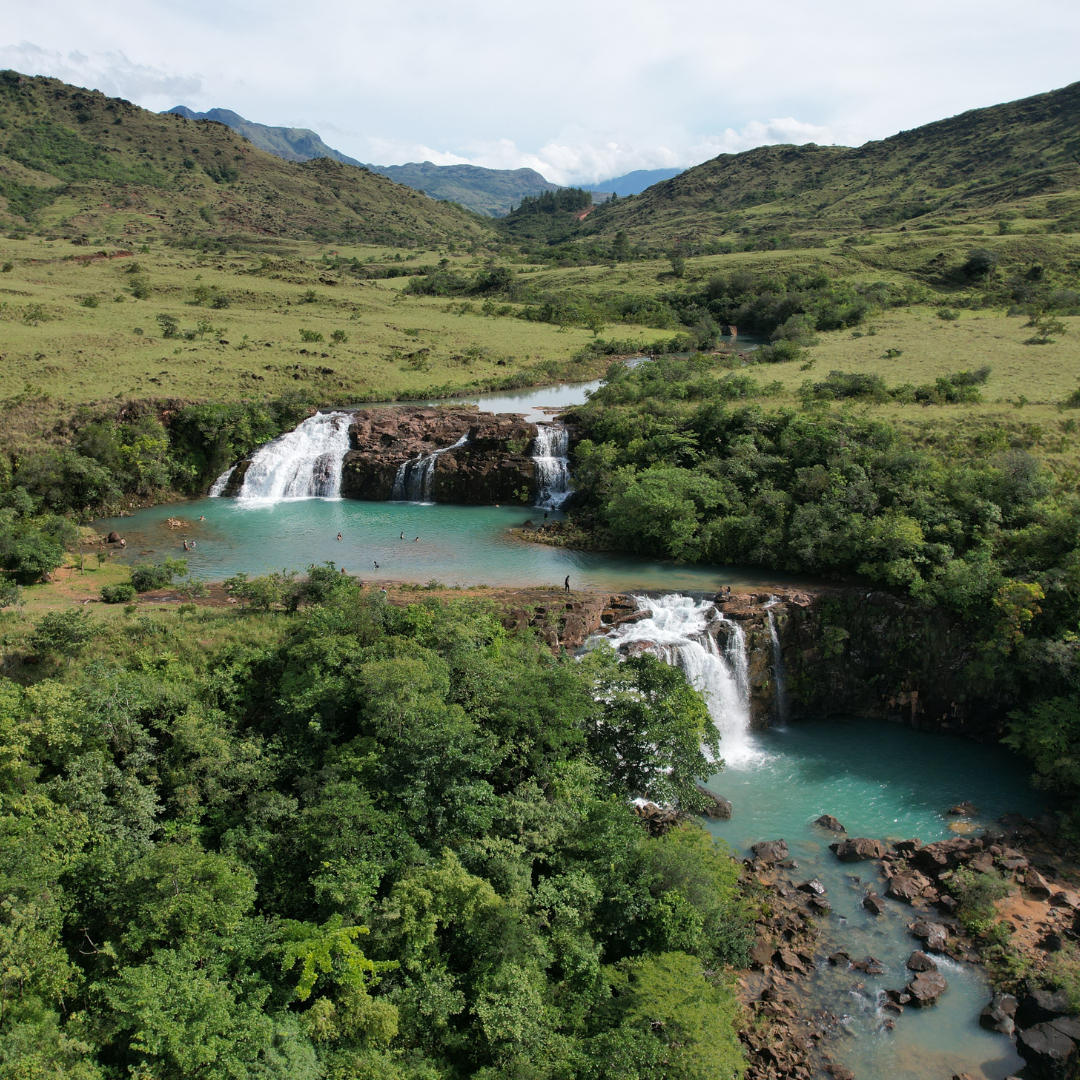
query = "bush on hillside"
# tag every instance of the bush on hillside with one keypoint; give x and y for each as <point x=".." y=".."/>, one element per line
<point x="121" y="593"/>
<point x="148" y="576"/>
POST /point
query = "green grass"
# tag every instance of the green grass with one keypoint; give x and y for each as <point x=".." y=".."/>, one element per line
<point x="396" y="347"/>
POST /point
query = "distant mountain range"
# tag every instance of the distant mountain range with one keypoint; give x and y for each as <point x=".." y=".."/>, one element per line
<point x="633" y="183"/>
<point x="491" y="192"/>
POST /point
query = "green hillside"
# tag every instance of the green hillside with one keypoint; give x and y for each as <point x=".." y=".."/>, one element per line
<point x="1004" y="162"/>
<point x="487" y="191"/>
<point x="75" y="163"/>
<point x="292" y="144"/>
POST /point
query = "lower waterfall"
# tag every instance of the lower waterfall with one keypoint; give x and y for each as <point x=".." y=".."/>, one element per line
<point x="304" y="463"/>
<point x="415" y="479"/>
<point x="681" y="631"/>
<point x="779" y="672"/>
<point x="551" y="449"/>
<point x="220" y="483"/>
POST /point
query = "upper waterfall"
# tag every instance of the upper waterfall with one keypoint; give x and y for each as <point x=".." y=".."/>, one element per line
<point x="304" y="463"/>
<point x="551" y="450"/>
<point x="415" y="479"/>
<point x="681" y="632"/>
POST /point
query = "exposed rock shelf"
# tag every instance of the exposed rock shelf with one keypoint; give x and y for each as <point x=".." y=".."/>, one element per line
<point x="492" y="466"/>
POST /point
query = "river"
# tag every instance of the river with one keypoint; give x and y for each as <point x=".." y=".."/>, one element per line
<point x="881" y="780"/>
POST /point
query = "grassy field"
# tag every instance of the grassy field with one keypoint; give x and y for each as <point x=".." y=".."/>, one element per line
<point x="392" y="348"/>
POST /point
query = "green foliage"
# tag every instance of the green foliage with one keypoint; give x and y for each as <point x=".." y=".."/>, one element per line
<point x="1045" y="327"/>
<point x="310" y="335"/>
<point x="148" y="576"/>
<point x="10" y="595"/>
<point x="63" y="633"/>
<point x="121" y="593"/>
<point x="357" y="841"/>
<point x="673" y="470"/>
<point x="976" y="894"/>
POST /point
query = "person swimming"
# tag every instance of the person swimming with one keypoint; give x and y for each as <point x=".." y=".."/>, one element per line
<point x="185" y="545"/>
<point x="339" y="536"/>
<point x="376" y="562"/>
<point x="417" y="540"/>
<point x="403" y="535"/>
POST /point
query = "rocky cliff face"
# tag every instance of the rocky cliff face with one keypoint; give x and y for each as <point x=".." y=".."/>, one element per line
<point x="849" y="651"/>
<point x="491" y="467"/>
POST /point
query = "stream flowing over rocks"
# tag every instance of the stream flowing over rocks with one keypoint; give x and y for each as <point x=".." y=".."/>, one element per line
<point x="411" y="454"/>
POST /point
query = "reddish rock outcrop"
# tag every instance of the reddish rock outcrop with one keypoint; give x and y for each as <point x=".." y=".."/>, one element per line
<point x="491" y="467"/>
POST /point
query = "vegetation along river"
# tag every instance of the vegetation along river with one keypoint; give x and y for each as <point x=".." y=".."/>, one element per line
<point x="881" y="780"/>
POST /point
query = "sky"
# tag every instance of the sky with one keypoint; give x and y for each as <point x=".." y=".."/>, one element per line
<point x="580" y="92"/>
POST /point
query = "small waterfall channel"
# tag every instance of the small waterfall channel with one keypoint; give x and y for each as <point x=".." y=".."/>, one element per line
<point x="304" y="463"/>
<point x="779" y="671"/>
<point x="683" y="632"/>
<point x="415" y="479"/>
<point x="551" y="455"/>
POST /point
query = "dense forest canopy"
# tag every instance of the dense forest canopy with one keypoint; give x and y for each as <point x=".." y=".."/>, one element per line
<point x="356" y="841"/>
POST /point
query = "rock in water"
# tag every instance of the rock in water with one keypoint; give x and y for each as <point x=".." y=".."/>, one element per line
<point x="965" y="809"/>
<point x="907" y="886"/>
<point x="998" y="1015"/>
<point x="716" y="806"/>
<point x="919" y="961"/>
<point x="859" y="849"/>
<point x="827" y="821"/>
<point x="771" y="851"/>
<point x="113" y="538"/>
<point x="812" y="886"/>
<point x="934" y="934"/>
<point x="873" y="903"/>
<point x="926" y="988"/>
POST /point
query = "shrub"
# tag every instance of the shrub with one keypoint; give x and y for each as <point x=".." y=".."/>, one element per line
<point x="89" y="301"/>
<point x="948" y="314"/>
<point x="121" y="593"/>
<point x="157" y="575"/>
<point x="310" y="335"/>
<point x="782" y="352"/>
<point x="1045" y="326"/>
<point x="169" y="326"/>
<point x="63" y="632"/>
<point x="29" y="554"/>
<point x="220" y="301"/>
<point x="339" y="337"/>
<point x="976" y="894"/>
<point x="10" y="595"/>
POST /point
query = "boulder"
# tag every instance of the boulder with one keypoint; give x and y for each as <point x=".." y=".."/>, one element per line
<point x="998" y="1015"/>
<point x="982" y="863"/>
<point x="770" y="851"/>
<point x="964" y="809"/>
<point x="789" y="961"/>
<point x="908" y="886"/>
<point x="870" y="965"/>
<point x="1050" y="1054"/>
<point x="716" y="806"/>
<point x="813" y="886"/>
<point x="859" y="849"/>
<point x="906" y="848"/>
<point x="919" y="961"/>
<point x="761" y="953"/>
<point x="827" y="821"/>
<point x="926" y="988"/>
<point x="659" y="819"/>
<point x="874" y="904"/>
<point x="1040" y="1006"/>
<point x="1037" y="885"/>
<point x="934" y="934"/>
<point x="113" y="538"/>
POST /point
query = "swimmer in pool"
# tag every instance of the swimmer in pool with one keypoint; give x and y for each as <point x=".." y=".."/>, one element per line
<point x="402" y="536"/>
<point x="417" y="540"/>
<point x="376" y="563"/>
<point x="339" y="536"/>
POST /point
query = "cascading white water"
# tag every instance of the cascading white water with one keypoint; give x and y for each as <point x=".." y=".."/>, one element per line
<point x="220" y="483"/>
<point x="304" y="463"/>
<point x="779" y="671"/>
<point x="681" y="633"/>
<point x="415" y="479"/>
<point x="551" y="450"/>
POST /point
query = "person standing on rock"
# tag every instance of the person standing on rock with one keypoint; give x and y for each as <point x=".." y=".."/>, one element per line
<point x="566" y="584"/>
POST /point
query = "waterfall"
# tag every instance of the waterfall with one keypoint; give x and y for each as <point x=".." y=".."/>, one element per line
<point x="304" y="463"/>
<point x="681" y="633"/>
<point x="551" y="449"/>
<point x="221" y="483"/>
<point x="779" y="672"/>
<point x="415" y="479"/>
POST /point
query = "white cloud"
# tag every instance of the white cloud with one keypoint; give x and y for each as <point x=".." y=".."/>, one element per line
<point x="579" y="92"/>
<point x="112" y="73"/>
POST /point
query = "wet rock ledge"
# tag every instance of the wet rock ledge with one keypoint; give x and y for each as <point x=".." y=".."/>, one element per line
<point x="492" y="467"/>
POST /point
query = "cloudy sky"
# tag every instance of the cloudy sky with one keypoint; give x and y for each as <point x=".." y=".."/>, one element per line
<point x="580" y="91"/>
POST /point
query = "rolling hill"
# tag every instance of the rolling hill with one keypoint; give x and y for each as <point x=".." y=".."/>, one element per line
<point x="74" y="162"/>
<point x="491" y="192"/>
<point x="292" y="144"/>
<point x="1002" y="161"/>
